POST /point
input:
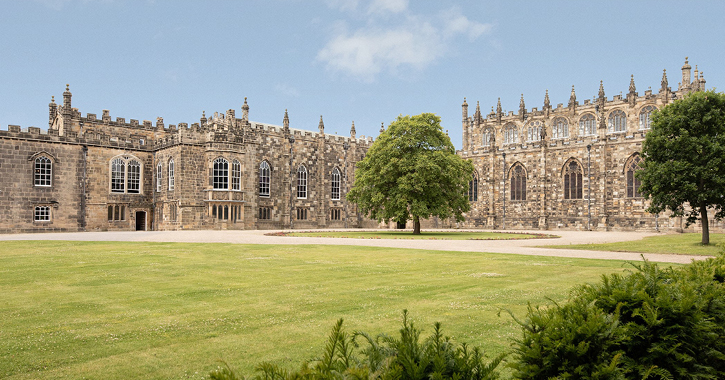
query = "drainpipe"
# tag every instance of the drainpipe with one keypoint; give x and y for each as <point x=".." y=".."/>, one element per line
<point x="83" y="188"/>
<point x="589" y="185"/>
<point x="503" y="195"/>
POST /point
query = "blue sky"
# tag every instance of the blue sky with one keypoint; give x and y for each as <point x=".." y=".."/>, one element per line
<point x="365" y="61"/>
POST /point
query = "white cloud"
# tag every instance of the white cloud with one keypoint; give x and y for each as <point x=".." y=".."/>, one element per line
<point x="287" y="90"/>
<point x="387" y="6"/>
<point x="408" y="42"/>
<point x="343" y="5"/>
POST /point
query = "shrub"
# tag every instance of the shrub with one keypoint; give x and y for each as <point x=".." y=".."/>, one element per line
<point x="362" y="356"/>
<point x="652" y="323"/>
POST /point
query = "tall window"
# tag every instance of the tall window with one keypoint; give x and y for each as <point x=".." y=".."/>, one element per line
<point x="134" y="177"/>
<point x="43" y="173"/>
<point x="159" y="172"/>
<point x="42" y="214"/>
<point x="533" y="131"/>
<point x="473" y="189"/>
<point x="236" y="175"/>
<point x="118" y="176"/>
<point x="573" y="180"/>
<point x="510" y="134"/>
<point x="302" y="182"/>
<point x="220" y="175"/>
<point x="587" y="125"/>
<point x="487" y="137"/>
<point x="633" y="182"/>
<point x="335" y="180"/>
<point x="644" y="117"/>
<point x="172" y="179"/>
<point x="560" y="128"/>
<point x="617" y="121"/>
<point x="518" y="183"/>
<point x="264" y="175"/>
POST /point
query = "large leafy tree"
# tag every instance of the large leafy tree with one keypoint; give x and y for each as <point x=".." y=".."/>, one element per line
<point x="684" y="159"/>
<point x="412" y="172"/>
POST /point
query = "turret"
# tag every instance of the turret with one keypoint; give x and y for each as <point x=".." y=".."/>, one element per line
<point x="203" y="119"/>
<point x="245" y="111"/>
<point x="464" y="106"/>
<point x="686" y="74"/>
<point x="285" y="122"/>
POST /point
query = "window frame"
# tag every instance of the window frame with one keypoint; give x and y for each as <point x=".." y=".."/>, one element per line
<point x="302" y="182"/>
<point x="645" y="112"/>
<point x="473" y="188"/>
<point x="510" y="134"/>
<point x="220" y="174"/>
<point x="42" y="213"/>
<point x="159" y="177"/>
<point x="265" y="179"/>
<point x="172" y="174"/>
<point x="559" y="129"/>
<point x="533" y="131"/>
<point x="335" y="181"/>
<point x="573" y="176"/>
<point x="518" y="182"/>
<point x="631" y="182"/>
<point x="236" y="175"/>
<point x="587" y="120"/>
<point x="617" y="121"/>
<point x="43" y="171"/>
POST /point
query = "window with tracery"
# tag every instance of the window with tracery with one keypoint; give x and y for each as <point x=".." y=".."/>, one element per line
<point x="335" y="181"/>
<point x="264" y="179"/>
<point x="644" y="117"/>
<point x="473" y="189"/>
<point x="220" y="174"/>
<point x="125" y="175"/>
<point x="487" y="137"/>
<point x="533" y="131"/>
<point x="587" y="125"/>
<point x="236" y="175"/>
<point x="118" y="176"/>
<point x="302" y="182"/>
<point x="510" y="134"/>
<point x="43" y="173"/>
<point x="633" y="182"/>
<point x="560" y="128"/>
<point x="518" y="183"/>
<point x="573" y="181"/>
<point x="617" y="121"/>
<point x="172" y="178"/>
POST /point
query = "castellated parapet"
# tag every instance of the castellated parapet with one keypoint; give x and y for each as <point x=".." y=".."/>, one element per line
<point x="88" y="173"/>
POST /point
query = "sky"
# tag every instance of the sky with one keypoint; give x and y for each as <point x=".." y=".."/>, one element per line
<point x="362" y="61"/>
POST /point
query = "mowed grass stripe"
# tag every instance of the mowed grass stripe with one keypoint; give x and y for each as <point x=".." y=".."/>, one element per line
<point x="678" y="244"/>
<point x="164" y="310"/>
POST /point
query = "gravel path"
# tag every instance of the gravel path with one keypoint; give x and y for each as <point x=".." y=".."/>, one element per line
<point x="518" y="247"/>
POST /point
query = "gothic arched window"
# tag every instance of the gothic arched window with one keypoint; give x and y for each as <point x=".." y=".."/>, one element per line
<point x="118" y="176"/>
<point x="518" y="183"/>
<point x="560" y="128"/>
<point x="487" y="137"/>
<point x="473" y="189"/>
<point x="633" y="182"/>
<point x="159" y="173"/>
<point x="617" y="121"/>
<point x="644" y="117"/>
<point x="236" y="175"/>
<point x="510" y="134"/>
<point x="264" y="179"/>
<point x="172" y="178"/>
<point x="302" y="182"/>
<point x="134" y="177"/>
<point x="587" y="125"/>
<point x="533" y="131"/>
<point x="335" y="182"/>
<point x="220" y="174"/>
<point x="43" y="171"/>
<point x="572" y="180"/>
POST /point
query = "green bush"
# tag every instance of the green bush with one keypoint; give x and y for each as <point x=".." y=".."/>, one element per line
<point x="362" y="356"/>
<point x="652" y="323"/>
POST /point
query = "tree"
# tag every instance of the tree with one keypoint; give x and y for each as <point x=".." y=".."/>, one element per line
<point x="684" y="159"/>
<point x="412" y="172"/>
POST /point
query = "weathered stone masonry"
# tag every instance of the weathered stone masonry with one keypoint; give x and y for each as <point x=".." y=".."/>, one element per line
<point x="129" y="175"/>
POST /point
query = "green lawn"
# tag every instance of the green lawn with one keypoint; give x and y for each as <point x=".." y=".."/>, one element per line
<point x="430" y="235"/>
<point x="679" y="244"/>
<point x="170" y="311"/>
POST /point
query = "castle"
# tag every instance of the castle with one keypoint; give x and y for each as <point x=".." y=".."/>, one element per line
<point x="568" y="167"/>
<point x="565" y="167"/>
<point x="87" y="173"/>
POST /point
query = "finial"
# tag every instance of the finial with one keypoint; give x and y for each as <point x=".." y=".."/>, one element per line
<point x="686" y="58"/>
<point x="601" y="89"/>
<point x="52" y="99"/>
<point x="67" y="87"/>
<point x="464" y="101"/>
<point x="203" y="113"/>
<point x="632" y="88"/>
<point x="498" y="106"/>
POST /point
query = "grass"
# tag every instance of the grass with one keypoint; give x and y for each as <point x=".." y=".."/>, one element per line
<point x="679" y="244"/>
<point x="429" y="235"/>
<point x="169" y="310"/>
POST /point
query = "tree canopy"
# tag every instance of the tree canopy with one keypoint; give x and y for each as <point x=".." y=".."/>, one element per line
<point x="412" y="172"/>
<point x="684" y="159"/>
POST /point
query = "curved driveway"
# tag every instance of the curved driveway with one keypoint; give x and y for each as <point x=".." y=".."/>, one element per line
<point x="519" y="247"/>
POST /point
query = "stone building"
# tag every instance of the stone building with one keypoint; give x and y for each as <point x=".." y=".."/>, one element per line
<point x="89" y="173"/>
<point x="567" y="166"/>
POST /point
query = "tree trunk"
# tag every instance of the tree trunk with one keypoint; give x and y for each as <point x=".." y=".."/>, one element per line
<point x="416" y="226"/>
<point x="705" y="224"/>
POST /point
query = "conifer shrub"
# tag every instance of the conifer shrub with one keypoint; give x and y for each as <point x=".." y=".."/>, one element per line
<point x="362" y="356"/>
<point x="650" y="323"/>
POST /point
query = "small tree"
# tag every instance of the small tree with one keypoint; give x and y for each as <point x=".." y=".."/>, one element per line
<point x="412" y="172"/>
<point x="684" y="159"/>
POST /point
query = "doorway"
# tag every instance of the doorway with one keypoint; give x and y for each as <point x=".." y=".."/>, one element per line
<point x="140" y="220"/>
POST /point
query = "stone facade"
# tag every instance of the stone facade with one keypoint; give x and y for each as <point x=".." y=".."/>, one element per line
<point x="567" y="166"/>
<point x="90" y="174"/>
